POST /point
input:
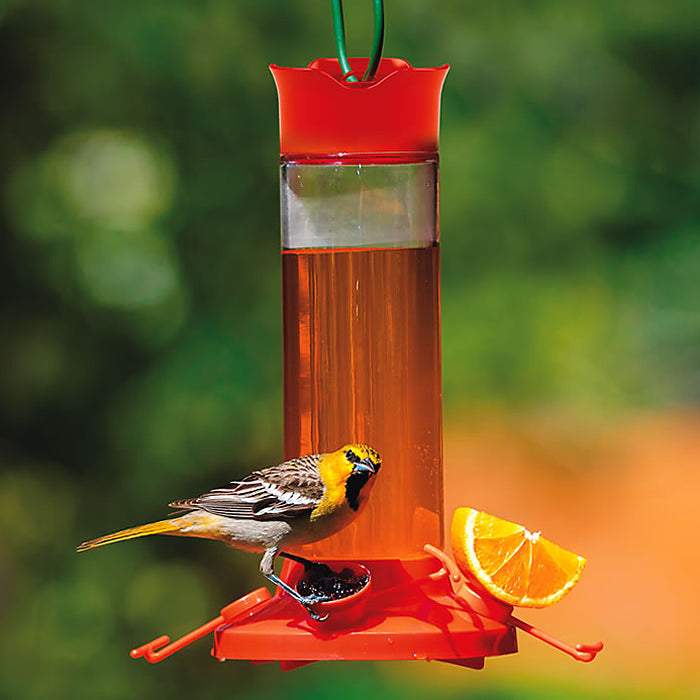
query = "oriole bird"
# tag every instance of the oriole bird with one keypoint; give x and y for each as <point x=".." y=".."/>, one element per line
<point x="297" y="502"/>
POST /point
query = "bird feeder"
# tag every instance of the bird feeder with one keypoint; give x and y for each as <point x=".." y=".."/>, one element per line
<point x="361" y="317"/>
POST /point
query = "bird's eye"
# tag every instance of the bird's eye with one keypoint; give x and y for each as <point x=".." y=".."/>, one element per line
<point x="352" y="457"/>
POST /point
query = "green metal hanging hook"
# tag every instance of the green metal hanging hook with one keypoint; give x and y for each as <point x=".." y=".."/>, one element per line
<point x="377" y="41"/>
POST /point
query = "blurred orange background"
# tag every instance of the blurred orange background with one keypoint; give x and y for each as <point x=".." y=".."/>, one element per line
<point x="621" y="492"/>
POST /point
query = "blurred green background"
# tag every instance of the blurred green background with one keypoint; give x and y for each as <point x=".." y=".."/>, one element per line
<point x="140" y="332"/>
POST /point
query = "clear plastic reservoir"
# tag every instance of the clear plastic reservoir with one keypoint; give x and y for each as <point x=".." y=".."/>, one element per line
<point x="361" y="296"/>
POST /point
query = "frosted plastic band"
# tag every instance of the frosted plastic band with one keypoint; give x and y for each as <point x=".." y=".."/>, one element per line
<point x="359" y="206"/>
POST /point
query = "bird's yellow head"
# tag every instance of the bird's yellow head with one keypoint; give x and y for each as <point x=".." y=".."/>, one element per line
<point x="362" y="457"/>
<point x="364" y="463"/>
<point x="348" y="473"/>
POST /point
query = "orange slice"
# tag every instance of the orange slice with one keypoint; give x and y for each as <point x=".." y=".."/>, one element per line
<point x="514" y="565"/>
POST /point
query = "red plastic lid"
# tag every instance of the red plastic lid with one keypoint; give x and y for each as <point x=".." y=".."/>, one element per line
<point x="321" y="113"/>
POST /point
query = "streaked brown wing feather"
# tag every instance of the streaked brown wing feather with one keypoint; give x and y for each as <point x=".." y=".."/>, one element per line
<point x="288" y="490"/>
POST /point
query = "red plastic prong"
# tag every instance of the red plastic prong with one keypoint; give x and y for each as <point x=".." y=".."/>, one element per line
<point x="154" y="651"/>
<point x="150" y="648"/>
<point x="448" y="565"/>
<point x="581" y="652"/>
<point x="479" y="602"/>
<point x="588" y="652"/>
<point x="160" y="648"/>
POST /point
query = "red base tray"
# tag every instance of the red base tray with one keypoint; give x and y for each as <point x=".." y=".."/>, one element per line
<point x="403" y="613"/>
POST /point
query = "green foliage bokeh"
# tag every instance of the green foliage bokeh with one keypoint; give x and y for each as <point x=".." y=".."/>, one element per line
<point x="140" y="338"/>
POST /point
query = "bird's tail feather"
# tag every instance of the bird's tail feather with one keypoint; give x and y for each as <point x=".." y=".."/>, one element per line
<point x="162" y="527"/>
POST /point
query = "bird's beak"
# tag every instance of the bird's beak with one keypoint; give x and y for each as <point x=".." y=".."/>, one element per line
<point x="366" y="465"/>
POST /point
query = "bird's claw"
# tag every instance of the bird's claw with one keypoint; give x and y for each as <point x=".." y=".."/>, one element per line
<point x="312" y="599"/>
<point x="309" y="601"/>
<point x="314" y="615"/>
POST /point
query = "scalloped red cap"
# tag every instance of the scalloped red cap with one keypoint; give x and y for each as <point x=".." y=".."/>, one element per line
<point x="321" y="113"/>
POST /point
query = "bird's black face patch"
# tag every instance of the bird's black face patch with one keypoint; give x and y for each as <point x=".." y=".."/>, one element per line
<point x="352" y="457"/>
<point x="354" y="485"/>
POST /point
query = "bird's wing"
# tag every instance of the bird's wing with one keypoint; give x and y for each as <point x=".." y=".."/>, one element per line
<point x="287" y="490"/>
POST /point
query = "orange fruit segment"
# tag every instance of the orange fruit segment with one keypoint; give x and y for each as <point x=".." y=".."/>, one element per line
<point x="513" y="564"/>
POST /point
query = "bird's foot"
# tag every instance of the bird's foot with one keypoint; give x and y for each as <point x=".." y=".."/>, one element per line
<point x="307" y="601"/>
<point x="309" y="609"/>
